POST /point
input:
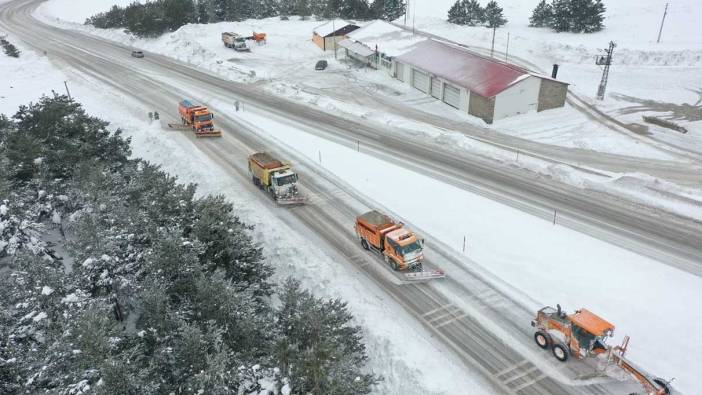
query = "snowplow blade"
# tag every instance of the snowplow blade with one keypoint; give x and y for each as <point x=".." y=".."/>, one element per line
<point x="209" y="133"/>
<point x="291" y="201"/>
<point x="425" y="275"/>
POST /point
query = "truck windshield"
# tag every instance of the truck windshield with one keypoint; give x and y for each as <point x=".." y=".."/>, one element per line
<point x="203" y="118"/>
<point x="409" y="248"/>
<point x="289" y="179"/>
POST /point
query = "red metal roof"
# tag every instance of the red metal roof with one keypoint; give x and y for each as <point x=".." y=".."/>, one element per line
<point x="482" y="75"/>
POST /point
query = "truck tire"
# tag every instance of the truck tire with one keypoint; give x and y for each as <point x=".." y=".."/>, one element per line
<point x="390" y="262"/>
<point x="542" y="339"/>
<point x="364" y="244"/>
<point x="560" y="352"/>
<point x="256" y="181"/>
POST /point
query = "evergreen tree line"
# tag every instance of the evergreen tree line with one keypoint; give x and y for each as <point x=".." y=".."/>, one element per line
<point x="154" y="18"/>
<point x="471" y="13"/>
<point x="9" y="48"/>
<point x="117" y="279"/>
<point x="577" y="16"/>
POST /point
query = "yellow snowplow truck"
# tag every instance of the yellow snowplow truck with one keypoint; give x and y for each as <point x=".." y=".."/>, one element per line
<point x="276" y="178"/>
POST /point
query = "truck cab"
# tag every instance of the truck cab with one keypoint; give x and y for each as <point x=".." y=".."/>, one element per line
<point x="202" y="119"/>
<point x="402" y="246"/>
<point x="284" y="183"/>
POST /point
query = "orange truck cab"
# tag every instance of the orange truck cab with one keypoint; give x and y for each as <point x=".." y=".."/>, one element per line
<point x="399" y="246"/>
<point x="197" y="116"/>
<point x="582" y="334"/>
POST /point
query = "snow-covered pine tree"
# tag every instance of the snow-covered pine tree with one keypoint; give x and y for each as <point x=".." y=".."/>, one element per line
<point x="302" y="9"/>
<point x="388" y="10"/>
<point x="203" y="15"/>
<point x="493" y="15"/>
<point x="562" y="15"/>
<point x="318" y="347"/>
<point x="178" y="13"/>
<point x="542" y="15"/>
<point x="588" y="16"/>
<point x="475" y="14"/>
<point x="457" y="13"/>
<point x="265" y="8"/>
<point x="221" y="10"/>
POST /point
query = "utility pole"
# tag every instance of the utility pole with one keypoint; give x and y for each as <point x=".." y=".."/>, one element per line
<point x="67" y="91"/>
<point x="662" y="21"/>
<point x="414" y="15"/>
<point x="605" y="61"/>
<point x="406" y="9"/>
<point x="507" y="50"/>
<point x="492" y="48"/>
<point x="334" y="35"/>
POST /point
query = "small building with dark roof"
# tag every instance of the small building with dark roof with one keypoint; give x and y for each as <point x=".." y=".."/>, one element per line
<point x="328" y="34"/>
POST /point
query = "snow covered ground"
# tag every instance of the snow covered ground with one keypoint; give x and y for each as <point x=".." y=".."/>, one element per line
<point x="399" y="347"/>
<point x="667" y="72"/>
<point x="285" y="66"/>
<point x="550" y="264"/>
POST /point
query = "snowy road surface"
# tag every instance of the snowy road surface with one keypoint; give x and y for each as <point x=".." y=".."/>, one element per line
<point x="664" y="236"/>
<point x="478" y="342"/>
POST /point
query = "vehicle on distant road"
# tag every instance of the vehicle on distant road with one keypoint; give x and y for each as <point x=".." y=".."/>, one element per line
<point x="138" y="54"/>
<point x="321" y="65"/>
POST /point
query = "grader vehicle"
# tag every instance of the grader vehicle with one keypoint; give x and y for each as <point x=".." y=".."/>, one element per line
<point x="584" y="335"/>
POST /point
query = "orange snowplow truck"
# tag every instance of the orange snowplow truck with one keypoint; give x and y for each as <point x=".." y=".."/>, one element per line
<point x="583" y="335"/>
<point x="199" y="118"/>
<point x="399" y="246"/>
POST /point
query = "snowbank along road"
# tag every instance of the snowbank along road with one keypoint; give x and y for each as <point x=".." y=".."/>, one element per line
<point x="480" y="331"/>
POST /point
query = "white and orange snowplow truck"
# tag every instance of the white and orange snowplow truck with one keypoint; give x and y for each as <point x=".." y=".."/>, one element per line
<point x="400" y="247"/>
<point x="276" y="178"/>
<point x="584" y="334"/>
<point x="197" y="117"/>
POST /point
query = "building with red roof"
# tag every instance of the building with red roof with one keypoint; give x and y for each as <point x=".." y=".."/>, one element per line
<point x="482" y="86"/>
<point x="470" y="82"/>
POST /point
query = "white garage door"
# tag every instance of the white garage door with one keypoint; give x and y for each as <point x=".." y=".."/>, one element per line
<point x="436" y="88"/>
<point x="452" y="95"/>
<point x="420" y="80"/>
<point x="400" y="71"/>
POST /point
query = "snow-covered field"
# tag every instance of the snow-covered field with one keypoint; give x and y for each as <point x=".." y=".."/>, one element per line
<point x="285" y="66"/>
<point x="668" y="72"/>
<point x="644" y="298"/>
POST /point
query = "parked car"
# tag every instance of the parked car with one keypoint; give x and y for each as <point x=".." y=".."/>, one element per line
<point x="321" y="65"/>
<point x="137" y="54"/>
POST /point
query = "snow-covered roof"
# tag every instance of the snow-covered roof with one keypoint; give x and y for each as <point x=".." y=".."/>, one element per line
<point x="480" y="74"/>
<point x="356" y="47"/>
<point x="387" y="38"/>
<point x="330" y="27"/>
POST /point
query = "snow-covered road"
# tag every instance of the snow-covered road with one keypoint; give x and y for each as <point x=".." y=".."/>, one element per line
<point x="229" y="155"/>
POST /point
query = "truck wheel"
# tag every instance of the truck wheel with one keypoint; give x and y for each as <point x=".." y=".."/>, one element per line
<point x="255" y="181"/>
<point x="560" y="352"/>
<point x="364" y="244"/>
<point x="542" y="339"/>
